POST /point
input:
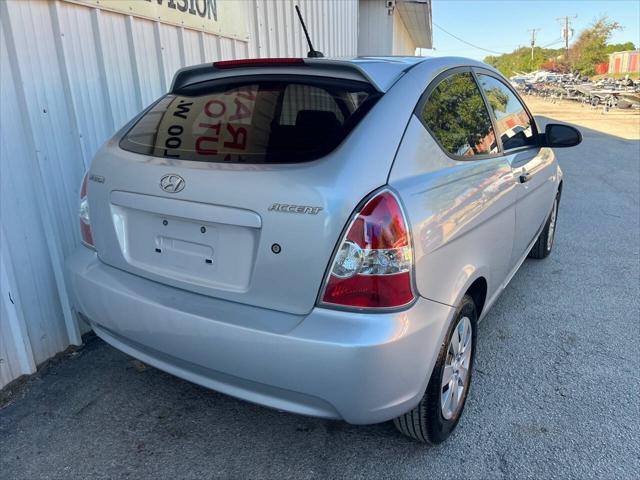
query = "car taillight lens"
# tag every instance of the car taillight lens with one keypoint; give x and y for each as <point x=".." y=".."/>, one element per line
<point x="373" y="265"/>
<point x="85" y="221"/>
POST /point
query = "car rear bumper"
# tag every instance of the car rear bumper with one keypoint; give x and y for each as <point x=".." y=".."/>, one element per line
<point x="363" y="368"/>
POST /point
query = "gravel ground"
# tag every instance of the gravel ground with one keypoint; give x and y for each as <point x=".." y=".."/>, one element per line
<point x="555" y="393"/>
<point x="617" y="122"/>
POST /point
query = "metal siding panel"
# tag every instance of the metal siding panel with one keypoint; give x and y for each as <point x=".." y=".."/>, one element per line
<point x="403" y="44"/>
<point x="375" y="27"/>
<point x="326" y="17"/>
<point x="241" y="49"/>
<point x="355" y="19"/>
<point x="633" y="63"/>
<point x="10" y="367"/>
<point x="146" y="58"/>
<point x="89" y="72"/>
<point x="191" y="43"/>
<point x="338" y="33"/>
<point x="300" y="45"/>
<point x="169" y="46"/>
<point x="270" y="24"/>
<point x="315" y="23"/>
<point x="119" y="72"/>
<point x="16" y="355"/>
<point x="252" y="44"/>
<point x="276" y="7"/>
<point x="211" y="48"/>
<point x="83" y="70"/>
<point x="59" y="154"/>
<point x="25" y="242"/>
<point x="226" y="48"/>
<point x="287" y="28"/>
<point x="260" y="34"/>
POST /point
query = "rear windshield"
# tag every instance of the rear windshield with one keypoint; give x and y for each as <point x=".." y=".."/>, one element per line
<point x="271" y="121"/>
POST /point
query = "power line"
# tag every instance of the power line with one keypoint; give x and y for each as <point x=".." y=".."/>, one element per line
<point x="556" y="41"/>
<point x="468" y="43"/>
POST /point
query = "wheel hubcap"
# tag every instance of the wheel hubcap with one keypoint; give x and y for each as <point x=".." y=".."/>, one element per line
<point x="455" y="377"/>
<point x="552" y="225"/>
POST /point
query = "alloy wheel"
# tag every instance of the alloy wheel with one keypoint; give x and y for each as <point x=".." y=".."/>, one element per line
<point x="552" y="225"/>
<point x="455" y="376"/>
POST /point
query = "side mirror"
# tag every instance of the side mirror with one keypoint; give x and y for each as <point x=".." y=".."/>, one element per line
<point x="558" y="136"/>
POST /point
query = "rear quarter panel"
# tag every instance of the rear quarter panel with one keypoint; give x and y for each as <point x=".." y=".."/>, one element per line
<point x="462" y="216"/>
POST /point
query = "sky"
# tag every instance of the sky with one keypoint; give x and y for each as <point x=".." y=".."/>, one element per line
<point x="501" y="25"/>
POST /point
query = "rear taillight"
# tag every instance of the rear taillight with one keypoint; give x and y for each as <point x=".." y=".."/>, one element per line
<point x="85" y="221"/>
<point x="373" y="265"/>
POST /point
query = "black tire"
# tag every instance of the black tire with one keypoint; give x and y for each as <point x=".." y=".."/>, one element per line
<point x="426" y="423"/>
<point x="542" y="248"/>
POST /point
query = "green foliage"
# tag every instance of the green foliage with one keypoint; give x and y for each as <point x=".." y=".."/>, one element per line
<point x="456" y="114"/>
<point x="590" y="48"/>
<point x="620" y="47"/>
<point x="498" y="99"/>
<point x="519" y="61"/>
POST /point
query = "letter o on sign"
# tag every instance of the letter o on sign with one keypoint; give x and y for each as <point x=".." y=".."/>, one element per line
<point x="202" y="12"/>
<point x="209" y="110"/>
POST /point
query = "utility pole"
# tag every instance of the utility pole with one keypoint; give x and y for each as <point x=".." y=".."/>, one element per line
<point x="533" y="40"/>
<point x="565" y="31"/>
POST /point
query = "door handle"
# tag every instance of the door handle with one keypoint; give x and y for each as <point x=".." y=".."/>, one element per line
<point x="525" y="177"/>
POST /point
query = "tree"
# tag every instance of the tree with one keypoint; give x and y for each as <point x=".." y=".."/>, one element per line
<point x="520" y="60"/>
<point x="591" y="46"/>
<point x="620" y="47"/>
<point x="458" y="117"/>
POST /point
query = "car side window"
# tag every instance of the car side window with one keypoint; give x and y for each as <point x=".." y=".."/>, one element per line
<point x="513" y="123"/>
<point x="456" y="115"/>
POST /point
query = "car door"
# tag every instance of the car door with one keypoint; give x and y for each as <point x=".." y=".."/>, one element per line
<point x="457" y="188"/>
<point x="533" y="167"/>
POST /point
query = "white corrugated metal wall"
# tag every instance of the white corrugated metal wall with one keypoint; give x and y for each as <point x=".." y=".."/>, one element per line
<point x="403" y="44"/>
<point x="375" y="29"/>
<point x="381" y="30"/>
<point x="70" y="76"/>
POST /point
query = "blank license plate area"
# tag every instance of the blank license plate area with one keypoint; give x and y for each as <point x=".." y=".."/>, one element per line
<point x="209" y="254"/>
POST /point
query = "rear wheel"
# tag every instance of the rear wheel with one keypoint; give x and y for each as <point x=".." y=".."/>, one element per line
<point x="543" y="246"/>
<point x="439" y="410"/>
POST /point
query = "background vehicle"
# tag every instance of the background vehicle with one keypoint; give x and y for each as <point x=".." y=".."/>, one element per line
<point x="607" y="92"/>
<point x="320" y="236"/>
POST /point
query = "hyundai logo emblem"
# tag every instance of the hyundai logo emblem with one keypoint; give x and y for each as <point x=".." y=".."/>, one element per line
<point x="172" y="183"/>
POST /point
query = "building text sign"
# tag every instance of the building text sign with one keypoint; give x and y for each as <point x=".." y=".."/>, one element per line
<point x="220" y="17"/>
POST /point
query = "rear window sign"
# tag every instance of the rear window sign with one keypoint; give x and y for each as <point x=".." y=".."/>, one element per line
<point x="270" y="121"/>
<point x="209" y="126"/>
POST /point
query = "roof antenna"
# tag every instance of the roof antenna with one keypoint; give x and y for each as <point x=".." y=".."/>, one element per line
<point x="312" y="53"/>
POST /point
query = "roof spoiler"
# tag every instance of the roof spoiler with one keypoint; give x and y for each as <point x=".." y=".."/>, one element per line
<point x="231" y="68"/>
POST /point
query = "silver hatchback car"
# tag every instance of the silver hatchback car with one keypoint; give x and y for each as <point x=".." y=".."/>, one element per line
<point x="320" y="236"/>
